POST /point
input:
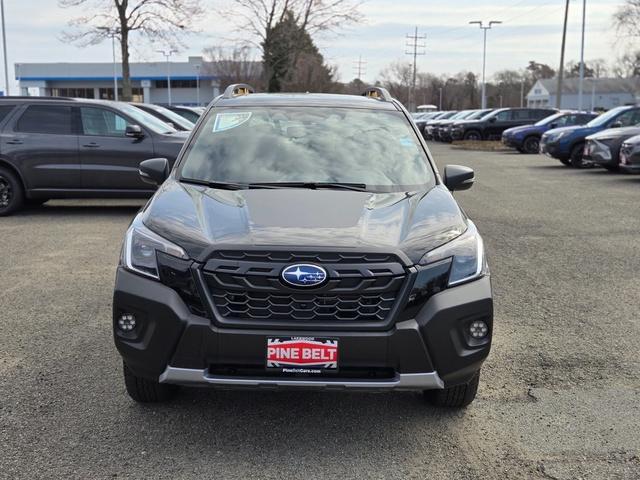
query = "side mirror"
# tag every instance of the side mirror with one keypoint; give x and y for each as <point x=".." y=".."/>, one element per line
<point x="154" y="171"/>
<point x="553" y="125"/>
<point x="457" y="177"/>
<point x="133" y="131"/>
<point x="492" y="120"/>
<point x="616" y="124"/>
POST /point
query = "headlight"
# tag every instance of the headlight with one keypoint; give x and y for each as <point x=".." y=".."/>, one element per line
<point x="140" y="247"/>
<point x="557" y="136"/>
<point x="467" y="254"/>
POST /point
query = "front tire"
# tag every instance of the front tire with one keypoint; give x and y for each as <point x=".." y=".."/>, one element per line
<point x="11" y="192"/>
<point x="146" y="391"/>
<point x="458" y="396"/>
<point x="531" y="145"/>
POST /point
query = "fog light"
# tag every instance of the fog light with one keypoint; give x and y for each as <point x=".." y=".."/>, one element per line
<point x="478" y="329"/>
<point x="126" y="322"/>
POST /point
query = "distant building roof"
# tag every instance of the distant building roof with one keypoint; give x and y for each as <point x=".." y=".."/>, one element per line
<point x="603" y="85"/>
<point x="100" y="71"/>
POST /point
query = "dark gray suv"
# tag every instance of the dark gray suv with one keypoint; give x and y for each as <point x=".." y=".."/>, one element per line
<point x="286" y="250"/>
<point x="68" y="148"/>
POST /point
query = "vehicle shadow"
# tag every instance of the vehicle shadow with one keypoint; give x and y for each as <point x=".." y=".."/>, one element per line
<point x="246" y="424"/>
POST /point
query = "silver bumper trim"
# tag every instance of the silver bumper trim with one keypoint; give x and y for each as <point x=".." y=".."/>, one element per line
<point x="402" y="381"/>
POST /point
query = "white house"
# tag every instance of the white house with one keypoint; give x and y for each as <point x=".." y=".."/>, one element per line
<point x="598" y="93"/>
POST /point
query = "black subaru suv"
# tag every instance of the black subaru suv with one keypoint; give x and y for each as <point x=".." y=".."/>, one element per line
<point x="304" y="240"/>
<point x="54" y="147"/>
<point x="492" y="125"/>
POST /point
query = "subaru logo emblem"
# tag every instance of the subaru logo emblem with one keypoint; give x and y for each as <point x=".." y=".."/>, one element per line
<point x="303" y="275"/>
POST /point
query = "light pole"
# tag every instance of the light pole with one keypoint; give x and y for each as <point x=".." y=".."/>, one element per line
<point x="4" y="47"/>
<point x="198" y="84"/>
<point x="440" y="98"/>
<point x="167" y="55"/>
<point x="484" y="56"/>
<point x="112" y="32"/>
<point x="581" y="83"/>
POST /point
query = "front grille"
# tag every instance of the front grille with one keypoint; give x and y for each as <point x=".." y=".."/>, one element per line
<point x="246" y="286"/>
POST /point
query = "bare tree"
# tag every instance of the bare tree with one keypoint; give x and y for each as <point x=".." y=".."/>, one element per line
<point x="259" y="17"/>
<point x="157" y="20"/>
<point x="626" y="19"/>
<point x="232" y="65"/>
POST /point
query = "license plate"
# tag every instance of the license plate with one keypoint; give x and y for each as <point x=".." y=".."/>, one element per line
<point x="310" y="355"/>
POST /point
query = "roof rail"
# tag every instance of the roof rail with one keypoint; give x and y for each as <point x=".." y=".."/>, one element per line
<point x="378" y="93"/>
<point x="34" y="97"/>
<point x="238" y="90"/>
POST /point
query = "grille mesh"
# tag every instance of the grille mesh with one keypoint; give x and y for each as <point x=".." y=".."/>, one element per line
<point x="360" y="287"/>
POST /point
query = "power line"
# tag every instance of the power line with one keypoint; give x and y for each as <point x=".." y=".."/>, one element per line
<point x="359" y="67"/>
<point x="417" y="44"/>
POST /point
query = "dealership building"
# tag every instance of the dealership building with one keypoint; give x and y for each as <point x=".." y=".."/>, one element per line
<point x="191" y="84"/>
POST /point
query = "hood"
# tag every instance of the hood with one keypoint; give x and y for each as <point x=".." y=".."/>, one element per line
<point x="200" y="219"/>
<point x="624" y="132"/>
<point x="522" y="129"/>
<point x="573" y="129"/>
<point x="469" y="122"/>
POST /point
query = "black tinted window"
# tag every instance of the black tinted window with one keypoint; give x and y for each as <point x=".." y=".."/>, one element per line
<point x="5" y="110"/>
<point x="522" y="115"/>
<point x="540" y="114"/>
<point x="46" y="119"/>
<point x="99" y="121"/>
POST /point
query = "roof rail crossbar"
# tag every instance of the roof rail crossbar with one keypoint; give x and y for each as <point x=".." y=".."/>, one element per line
<point x="237" y="90"/>
<point x="378" y="93"/>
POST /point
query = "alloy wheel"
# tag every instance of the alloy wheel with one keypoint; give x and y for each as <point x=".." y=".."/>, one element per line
<point x="5" y="192"/>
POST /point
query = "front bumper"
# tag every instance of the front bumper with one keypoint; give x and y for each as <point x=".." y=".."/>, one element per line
<point x="552" y="149"/>
<point x="428" y="351"/>
<point x="511" y="142"/>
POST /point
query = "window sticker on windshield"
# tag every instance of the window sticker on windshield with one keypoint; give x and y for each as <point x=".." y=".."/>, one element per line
<point x="407" y="142"/>
<point x="229" y="120"/>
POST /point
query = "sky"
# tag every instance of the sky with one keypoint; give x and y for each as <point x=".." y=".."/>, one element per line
<point x="531" y="30"/>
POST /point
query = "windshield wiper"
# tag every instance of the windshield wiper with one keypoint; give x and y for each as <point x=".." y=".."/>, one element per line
<point x="224" y="185"/>
<point x="358" y="187"/>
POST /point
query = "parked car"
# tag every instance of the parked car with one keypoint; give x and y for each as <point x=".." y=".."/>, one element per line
<point x="53" y="147"/>
<point x="421" y="119"/>
<point x="438" y="125"/>
<point x="630" y="155"/>
<point x="526" y="139"/>
<point x="430" y="125"/>
<point x="167" y="116"/>
<point x="260" y="261"/>
<point x="492" y="125"/>
<point x="190" y="113"/>
<point x="567" y="143"/>
<point x="603" y="148"/>
<point x="445" y="133"/>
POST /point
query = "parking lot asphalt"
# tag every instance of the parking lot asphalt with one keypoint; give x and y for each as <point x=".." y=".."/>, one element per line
<point x="559" y="395"/>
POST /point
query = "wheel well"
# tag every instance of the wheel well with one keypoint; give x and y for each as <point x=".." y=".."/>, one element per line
<point x="532" y="135"/>
<point x="576" y="144"/>
<point x="473" y="130"/>
<point x="10" y="167"/>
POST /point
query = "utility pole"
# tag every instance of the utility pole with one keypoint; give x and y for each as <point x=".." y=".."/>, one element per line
<point x="484" y="56"/>
<point x="112" y="32"/>
<point x="440" y="99"/>
<point x="4" y="48"/>
<point x="522" y="93"/>
<point x="198" y="66"/>
<point x="360" y="68"/>
<point x="167" y="55"/>
<point x="581" y="83"/>
<point x="561" y="69"/>
<point x="414" y="42"/>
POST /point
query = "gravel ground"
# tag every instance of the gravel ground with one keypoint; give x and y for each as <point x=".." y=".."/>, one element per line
<point x="559" y="397"/>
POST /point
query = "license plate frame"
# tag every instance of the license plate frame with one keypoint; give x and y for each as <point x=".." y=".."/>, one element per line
<point x="302" y="355"/>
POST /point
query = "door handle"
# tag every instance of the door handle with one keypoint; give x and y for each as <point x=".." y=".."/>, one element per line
<point x="91" y="145"/>
<point x="15" y="141"/>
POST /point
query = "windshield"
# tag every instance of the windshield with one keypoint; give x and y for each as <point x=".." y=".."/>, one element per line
<point x="478" y="114"/>
<point x="311" y="145"/>
<point x="146" y="119"/>
<point x="605" y="117"/>
<point x="548" y="120"/>
<point x="174" y="117"/>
